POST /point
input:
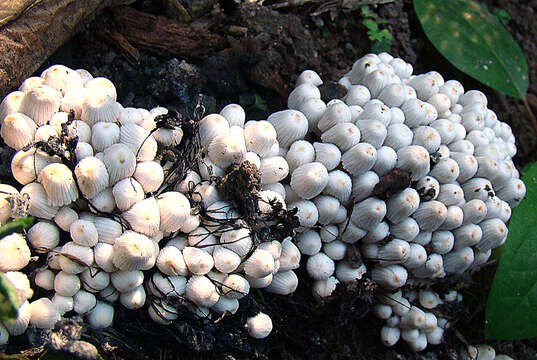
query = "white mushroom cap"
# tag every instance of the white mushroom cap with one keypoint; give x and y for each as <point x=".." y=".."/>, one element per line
<point x="45" y="279"/>
<point x="290" y="125"/>
<point x="18" y="130"/>
<point x="309" y="242"/>
<point x="59" y="184"/>
<point x="309" y="180"/>
<point x="259" y="137"/>
<point x="144" y="216"/>
<point x="199" y="262"/>
<point x="83" y="302"/>
<point x="225" y="150"/>
<point x="66" y="284"/>
<point x="359" y="158"/>
<point x="201" y="291"/>
<point x="283" y="283"/>
<point x="259" y="264"/>
<point x="100" y="85"/>
<point x="170" y="261"/>
<point x="102" y="315"/>
<point x="84" y="233"/>
<point x="125" y="281"/>
<point x="104" y="254"/>
<point x="94" y="279"/>
<point x="11" y="104"/>
<point x="162" y="312"/>
<point x="45" y="132"/>
<point x="324" y="288"/>
<point x="235" y="287"/>
<point x="225" y="304"/>
<point x="167" y="287"/>
<point x="238" y="241"/>
<point x="43" y="314"/>
<point x="259" y="326"/>
<point x="18" y="326"/>
<point x="131" y="115"/>
<point x="77" y="128"/>
<point x="107" y="229"/>
<point x="133" y="299"/>
<point x="92" y="176"/>
<point x="120" y="162"/>
<point x="40" y="103"/>
<point x="225" y="260"/>
<point x="31" y="83"/>
<point x="290" y="256"/>
<point x="273" y="169"/>
<point x="43" y="236"/>
<point x="62" y="78"/>
<point x="320" y="266"/>
<point x="99" y="107"/>
<point x="73" y="99"/>
<point x="15" y="253"/>
<point x="127" y="192"/>
<point x="139" y="141"/>
<point x="336" y="113"/>
<point x="104" y="135"/>
<point x="234" y="114"/>
<point x="212" y="126"/>
<point x="132" y="250"/>
<point x="26" y="165"/>
<point x="150" y="175"/>
<point x="21" y="283"/>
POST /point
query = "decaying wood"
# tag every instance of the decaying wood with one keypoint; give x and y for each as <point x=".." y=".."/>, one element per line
<point x="33" y="30"/>
<point x="12" y="9"/>
<point x="115" y="39"/>
<point x="164" y="36"/>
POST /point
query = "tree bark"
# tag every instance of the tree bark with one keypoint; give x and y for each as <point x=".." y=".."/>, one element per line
<point x="32" y="30"/>
<point x="164" y="36"/>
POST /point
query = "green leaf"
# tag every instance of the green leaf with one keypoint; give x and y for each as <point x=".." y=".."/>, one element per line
<point x="502" y="15"/>
<point x="371" y="25"/>
<point x="366" y="12"/>
<point x="475" y="42"/>
<point x="260" y="103"/>
<point x="17" y="225"/>
<point x="384" y="45"/>
<point x="512" y="304"/>
<point x="9" y="303"/>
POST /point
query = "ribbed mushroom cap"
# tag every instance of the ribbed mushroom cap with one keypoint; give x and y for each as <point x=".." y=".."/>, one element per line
<point x="10" y="104"/>
<point x="92" y="176"/>
<point x="139" y="141"/>
<point x="59" y="184"/>
<point x="44" y="314"/>
<point x="174" y="210"/>
<point x="15" y="253"/>
<point x="26" y="165"/>
<point x="120" y="162"/>
<point x="144" y="216"/>
<point x="132" y="250"/>
<point x="40" y="103"/>
<point x="18" y="130"/>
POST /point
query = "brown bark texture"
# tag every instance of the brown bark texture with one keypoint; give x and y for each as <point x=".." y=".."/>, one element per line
<point x="31" y="30"/>
<point x="166" y="37"/>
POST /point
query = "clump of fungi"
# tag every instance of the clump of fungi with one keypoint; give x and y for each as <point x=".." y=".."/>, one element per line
<point x="407" y="179"/>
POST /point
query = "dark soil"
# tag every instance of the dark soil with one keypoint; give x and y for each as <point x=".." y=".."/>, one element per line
<point x="257" y="71"/>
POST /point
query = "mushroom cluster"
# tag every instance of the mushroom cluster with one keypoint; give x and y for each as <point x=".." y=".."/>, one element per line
<point x="408" y="177"/>
<point x="116" y="220"/>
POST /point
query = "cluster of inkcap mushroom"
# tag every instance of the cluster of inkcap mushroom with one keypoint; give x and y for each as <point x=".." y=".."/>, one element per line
<point x="105" y="216"/>
<point x="410" y="170"/>
<point x="327" y="160"/>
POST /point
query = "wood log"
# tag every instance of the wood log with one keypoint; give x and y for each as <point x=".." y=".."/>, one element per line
<point x="33" y="30"/>
<point x="166" y="37"/>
